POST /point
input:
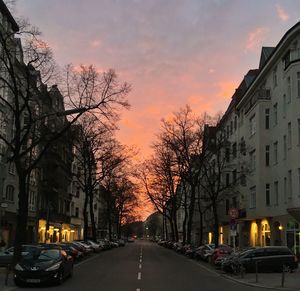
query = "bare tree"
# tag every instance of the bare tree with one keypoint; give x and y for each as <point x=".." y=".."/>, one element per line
<point x="35" y="129"/>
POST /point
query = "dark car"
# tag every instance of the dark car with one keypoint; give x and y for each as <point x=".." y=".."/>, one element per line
<point x="268" y="259"/>
<point x="45" y="265"/>
<point x="6" y="257"/>
<point x="219" y="253"/>
<point x="204" y="252"/>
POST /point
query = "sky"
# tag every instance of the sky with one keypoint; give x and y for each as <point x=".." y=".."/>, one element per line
<point x="173" y="52"/>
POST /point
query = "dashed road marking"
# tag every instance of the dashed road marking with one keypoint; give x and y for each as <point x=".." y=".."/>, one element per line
<point x="140" y="266"/>
<point x="138" y="289"/>
<point x="139" y="276"/>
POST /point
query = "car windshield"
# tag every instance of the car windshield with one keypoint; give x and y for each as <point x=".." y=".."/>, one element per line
<point x="47" y="255"/>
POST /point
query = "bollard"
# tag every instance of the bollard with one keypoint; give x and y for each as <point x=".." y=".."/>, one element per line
<point x="242" y="271"/>
<point x="7" y="274"/>
<point x="256" y="271"/>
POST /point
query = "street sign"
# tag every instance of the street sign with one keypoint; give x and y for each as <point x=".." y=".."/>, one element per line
<point x="233" y="213"/>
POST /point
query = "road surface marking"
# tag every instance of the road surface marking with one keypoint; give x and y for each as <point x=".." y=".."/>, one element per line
<point x="138" y="289"/>
<point x="139" y="275"/>
<point x="141" y="260"/>
<point x="140" y="266"/>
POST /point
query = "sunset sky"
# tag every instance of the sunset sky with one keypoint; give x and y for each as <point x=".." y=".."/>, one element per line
<point x="173" y="52"/>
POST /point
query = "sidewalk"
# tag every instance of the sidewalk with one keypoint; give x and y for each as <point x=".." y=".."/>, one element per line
<point x="10" y="286"/>
<point x="271" y="281"/>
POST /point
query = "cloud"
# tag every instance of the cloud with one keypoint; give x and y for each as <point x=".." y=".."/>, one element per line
<point x="95" y="43"/>
<point x="226" y="89"/>
<point x="255" y="38"/>
<point x="281" y="13"/>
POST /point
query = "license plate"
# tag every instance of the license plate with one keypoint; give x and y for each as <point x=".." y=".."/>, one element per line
<point x="33" y="280"/>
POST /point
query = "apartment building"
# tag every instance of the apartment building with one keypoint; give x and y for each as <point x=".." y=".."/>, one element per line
<point x="262" y="126"/>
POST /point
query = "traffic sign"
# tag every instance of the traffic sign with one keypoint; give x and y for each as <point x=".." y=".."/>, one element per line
<point x="233" y="213"/>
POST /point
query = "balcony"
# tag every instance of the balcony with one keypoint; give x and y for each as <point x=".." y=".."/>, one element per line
<point x="260" y="94"/>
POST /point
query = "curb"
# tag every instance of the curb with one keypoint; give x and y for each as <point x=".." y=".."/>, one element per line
<point x="256" y="285"/>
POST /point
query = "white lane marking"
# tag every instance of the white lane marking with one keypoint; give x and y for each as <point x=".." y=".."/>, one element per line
<point x="140" y="266"/>
<point x="139" y="276"/>
<point x="138" y="289"/>
<point x="141" y="260"/>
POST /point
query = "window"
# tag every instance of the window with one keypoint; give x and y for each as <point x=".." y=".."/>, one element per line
<point x="252" y="160"/>
<point x="31" y="201"/>
<point x="227" y="179"/>
<point x="11" y="168"/>
<point x="267" y="118"/>
<point x="289" y="135"/>
<point x="290" y="184"/>
<point x="231" y="127"/>
<point x="227" y="131"/>
<point x="276" y="193"/>
<point x="284" y="147"/>
<point x="243" y="177"/>
<point x="298" y="131"/>
<point x="275" y="152"/>
<point x="234" y="150"/>
<point x="243" y="143"/>
<point x="77" y="192"/>
<point x="275" y="77"/>
<point x="275" y="114"/>
<point x="267" y="155"/>
<point x="298" y="84"/>
<point x="234" y="202"/>
<point x="284" y="106"/>
<point x="227" y="155"/>
<point x="235" y="122"/>
<point x="252" y="198"/>
<point x="234" y="176"/>
<point x="252" y="125"/>
<point x="226" y="206"/>
<point x="298" y="181"/>
<point x="268" y="194"/>
<point x="289" y="90"/>
<point x="76" y="212"/>
<point x="9" y="194"/>
<point x="285" y="189"/>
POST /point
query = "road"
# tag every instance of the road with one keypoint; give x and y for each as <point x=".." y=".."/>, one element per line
<point x="144" y="266"/>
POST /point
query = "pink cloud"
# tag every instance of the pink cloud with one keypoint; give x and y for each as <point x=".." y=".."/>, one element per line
<point x="95" y="43"/>
<point x="226" y="89"/>
<point x="255" y="38"/>
<point x="281" y="13"/>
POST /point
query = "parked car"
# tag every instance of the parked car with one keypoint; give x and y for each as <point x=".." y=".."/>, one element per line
<point x="268" y="259"/>
<point x="86" y="248"/>
<point x="6" y="257"/>
<point x="121" y="242"/>
<point x="219" y="253"/>
<point x="95" y="246"/>
<point x="105" y="244"/>
<point x="204" y="252"/>
<point x="45" y="266"/>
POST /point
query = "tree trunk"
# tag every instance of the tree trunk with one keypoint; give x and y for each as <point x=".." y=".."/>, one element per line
<point x="201" y="229"/>
<point x="184" y="225"/>
<point x="92" y="216"/>
<point x="22" y="216"/>
<point x="85" y="217"/>
<point x="191" y="215"/>
<point x="216" y="224"/>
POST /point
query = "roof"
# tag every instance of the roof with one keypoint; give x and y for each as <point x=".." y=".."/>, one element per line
<point x="266" y="52"/>
<point x="4" y="10"/>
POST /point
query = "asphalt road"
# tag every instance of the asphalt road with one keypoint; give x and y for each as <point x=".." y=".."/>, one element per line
<point x="144" y="266"/>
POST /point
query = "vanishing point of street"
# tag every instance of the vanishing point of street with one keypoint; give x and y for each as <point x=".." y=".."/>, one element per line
<point x="144" y="266"/>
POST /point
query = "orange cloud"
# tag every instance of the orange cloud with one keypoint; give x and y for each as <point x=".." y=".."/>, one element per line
<point x="255" y="38"/>
<point x="226" y="89"/>
<point x="281" y="13"/>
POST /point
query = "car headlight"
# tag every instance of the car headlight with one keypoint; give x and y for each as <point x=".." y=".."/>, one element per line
<point x="18" y="267"/>
<point x="54" y="267"/>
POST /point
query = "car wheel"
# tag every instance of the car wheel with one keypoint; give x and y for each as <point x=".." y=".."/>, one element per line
<point x="60" y="278"/>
